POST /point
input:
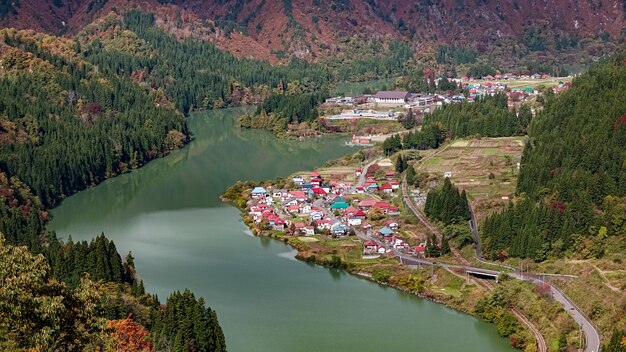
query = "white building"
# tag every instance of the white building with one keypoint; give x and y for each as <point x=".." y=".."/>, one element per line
<point x="391" y="97"/>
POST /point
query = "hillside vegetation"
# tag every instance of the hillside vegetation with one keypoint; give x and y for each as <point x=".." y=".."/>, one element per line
<point x="474" y="36"/>
<point x="572" y="181"/>
<point x="66" y="126"/>
<point x="194" y="74"/>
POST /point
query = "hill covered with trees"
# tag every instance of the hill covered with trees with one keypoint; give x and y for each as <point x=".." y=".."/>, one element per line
<point x="66" y="125"/>
<point x="45" y="314"/>
<point x="474" y="36"/>
<point x="488" y="117"/>
<point x="572" y="181"/>
<point x="194" y="74"/>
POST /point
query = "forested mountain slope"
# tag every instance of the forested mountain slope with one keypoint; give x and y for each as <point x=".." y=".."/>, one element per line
<point x="65" y="126"/>
<point x="194" y="73"/>
<point x="572" y="181"/>
<point x="509" y="34"/>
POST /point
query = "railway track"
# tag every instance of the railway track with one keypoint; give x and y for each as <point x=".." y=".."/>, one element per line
<point x="541" y="342"/>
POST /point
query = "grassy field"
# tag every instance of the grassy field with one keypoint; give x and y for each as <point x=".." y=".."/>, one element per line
<point x="600" y="288"/>
<point x="339" y="173"/>
<point x="537" y="83"/>
<point x="486" y="168"/>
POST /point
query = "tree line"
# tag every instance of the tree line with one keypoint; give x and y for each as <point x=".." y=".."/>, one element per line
<point x="195" y="74"/>
<point x="487" y="117"/>
<point x="42" y="313"/>
<point x="280" y="110"/>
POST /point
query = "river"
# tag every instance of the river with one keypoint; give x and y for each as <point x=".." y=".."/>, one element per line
<point x="168" y="213"/>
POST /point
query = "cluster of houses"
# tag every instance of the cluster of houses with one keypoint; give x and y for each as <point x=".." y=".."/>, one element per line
<point x="390" y="239"/>
<point x="314" y="206"/>
<point x="386" y="98"/>
<point x="424" y="103"/>
<point x="478" y="89"/>
<point x="487" y="86"/>
<point x="419" y="102"/>
<point x="511" y="76"/>
<point x="561" y="87"/>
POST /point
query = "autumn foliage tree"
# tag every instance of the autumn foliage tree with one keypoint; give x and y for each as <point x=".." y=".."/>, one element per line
<point x="129" y="336"/>
<point x="39" y="313"/>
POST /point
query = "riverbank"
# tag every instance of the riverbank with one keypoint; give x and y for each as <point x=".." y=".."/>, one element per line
<point x="318" y="127"/>
<point x="168" y="213"/>
<point x="324" y="246"/>
<point x="291" y="212"/>
<point x="341" y="254"/>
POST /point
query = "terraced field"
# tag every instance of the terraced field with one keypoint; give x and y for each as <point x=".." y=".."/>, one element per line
<point x="486" y="168"/>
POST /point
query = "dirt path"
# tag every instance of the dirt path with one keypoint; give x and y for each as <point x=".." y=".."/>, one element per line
<point x="606" y="281"/>
<point x="422" y="218"/>
<point x="541" y="342"/>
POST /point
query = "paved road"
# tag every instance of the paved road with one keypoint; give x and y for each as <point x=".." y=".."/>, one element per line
<point x="593" y="340"/>
<point x="423" y="220"/>
<point x="363" y="176"/>
<point x="592" y="335"/>
<point x="478" y="252"/>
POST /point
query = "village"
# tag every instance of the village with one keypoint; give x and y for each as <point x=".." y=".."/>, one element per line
<point x="374" y="117"/>
<point x="387" y="105"/>
<point x="314" y="206"/>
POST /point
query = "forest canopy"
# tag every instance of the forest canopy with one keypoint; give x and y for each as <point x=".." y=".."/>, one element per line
<point x="572" y="180"/>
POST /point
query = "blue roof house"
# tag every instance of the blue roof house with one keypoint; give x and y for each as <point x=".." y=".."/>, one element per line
<point x="386" y="231"/>
<point x="258" y="192"/>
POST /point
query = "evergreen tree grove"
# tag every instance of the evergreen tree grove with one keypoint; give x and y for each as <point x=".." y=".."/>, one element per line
<point x="572" y="180"/>
<point x="447" y="204"/>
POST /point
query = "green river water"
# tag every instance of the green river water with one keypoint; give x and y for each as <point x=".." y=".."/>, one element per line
<point x="168" y="213"/>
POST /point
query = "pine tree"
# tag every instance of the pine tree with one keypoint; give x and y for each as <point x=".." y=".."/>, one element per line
<point x="410" y="175"/>
<point x="401" y="164"/>
<point x="445" y="246"/>
<point x="432" y="249"/>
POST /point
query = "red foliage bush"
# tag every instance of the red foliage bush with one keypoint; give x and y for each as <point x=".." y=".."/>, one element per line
<point x="558" y="206"/>
<point x="544" y="290"/>
<point x="92" y="108"/>
<point x="129" y="336"/>
<point x="619" y="122"/>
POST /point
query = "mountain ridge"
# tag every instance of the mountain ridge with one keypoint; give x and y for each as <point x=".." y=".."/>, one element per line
<point x="313" y="30"/>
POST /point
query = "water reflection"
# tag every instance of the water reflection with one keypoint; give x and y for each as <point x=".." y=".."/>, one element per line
<point x="265" y="241"/>
<point x="169" y="215"/>
<point x="335" y="274"/>
<point x="195" y="176"/>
